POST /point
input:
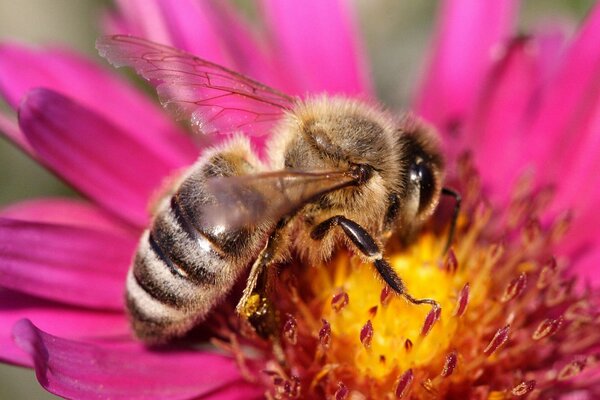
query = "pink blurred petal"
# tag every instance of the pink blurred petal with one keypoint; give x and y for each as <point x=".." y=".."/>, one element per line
<point x="103" y="161"/>
<point x="74" y="369"/>
<point x="463" y="50"/>
<point x="563" y="136"/>
<point x="504" y="102"/>
<point x="211" y="30"/>
<point x="563" y="124"/>
<point x="183" y="24"/>
<point x="318" y="45"/>
<point x="10" y="130"/>
<point x="57" y="319"/>
<point x="68" y="212"/>
<point x="75" y="265"/>
<point x="22" y="69"/>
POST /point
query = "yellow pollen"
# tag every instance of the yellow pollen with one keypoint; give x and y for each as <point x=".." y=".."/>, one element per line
<point x="397" y="343"/>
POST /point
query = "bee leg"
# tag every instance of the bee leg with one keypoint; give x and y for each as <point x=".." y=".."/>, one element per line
<point x="254" y="304"/>
<point x="365" y="243"/>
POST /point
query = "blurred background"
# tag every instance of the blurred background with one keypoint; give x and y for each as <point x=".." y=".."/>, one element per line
<point x="395" y="33"/>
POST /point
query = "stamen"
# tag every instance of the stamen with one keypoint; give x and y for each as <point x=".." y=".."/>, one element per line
<point x="404" y="383"/>
<point x="514" y="288"/>
<point x="290" y="329"/>
<point x="498" y="340"/>
<point x="408" y="345"/>
<point x="546" y="328"/>
<point x="432" y="317"/>
<point x="451" y="263"/>
<point x="339" y="301"/>
<point x="523" y="388"/>
<point x="547" y="274"/>
<point x="373" y="311"/>
<point x="462" y="301"/>
<point x="571" y="370"/>
<point x="386" y="295"/>
<point x="342" y="392"/>
<point x="449" y="364"/>
<point x="325" y="334"/>
<point x="366" y="334"/>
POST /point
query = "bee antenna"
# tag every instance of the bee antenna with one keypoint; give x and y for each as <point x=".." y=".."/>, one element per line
<point x="457" y="200"/>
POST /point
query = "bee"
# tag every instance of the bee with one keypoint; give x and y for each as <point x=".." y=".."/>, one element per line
<point x="337" y="171"/>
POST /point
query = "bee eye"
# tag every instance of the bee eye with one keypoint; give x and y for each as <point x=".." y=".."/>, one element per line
<point x="421" y="175"/>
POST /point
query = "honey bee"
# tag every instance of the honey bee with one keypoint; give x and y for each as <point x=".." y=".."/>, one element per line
<point x="338" y="171"/>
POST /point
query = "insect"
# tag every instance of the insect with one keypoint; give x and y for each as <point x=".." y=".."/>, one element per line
<point x="339" y="171"/>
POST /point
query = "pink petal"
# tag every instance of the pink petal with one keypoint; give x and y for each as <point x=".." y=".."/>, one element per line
<point x="70" y="212"/>
<point x="504" y="102"/>
<point x="22" y="69"/>
<point x="57" y="319"/>
<point x="103" y="161"/>
<point x="212" y="31"/>
<point x="183" y="24"/>
<point x="563" y="136"/>
<point x="70" y="264"/>
<point x="75" y="369"/>
<point x="10" y="130"/>
<point x="317" y="44"/>
<point x="467" y="31"/>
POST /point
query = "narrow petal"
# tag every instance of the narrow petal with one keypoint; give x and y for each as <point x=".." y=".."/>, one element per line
<point x="318" y="45"/>
<point x="210" y="30"/>
<point x="11" y="131"/>
<point x="22" y="69"/>
<point x="75" y="369"/>
<point x="467" y="31"/>
<point x="563" y="135"/>
<point x="57" y="319"/>
<point x="183" y="24"/>
<point x="103" y="161"/>
<point x="70" y="264"/>
<point x="71" y="212"/>
<point x="504" y="102"/>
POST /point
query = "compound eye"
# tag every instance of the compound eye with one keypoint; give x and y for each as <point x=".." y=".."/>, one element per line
<point x="421" y="175"/>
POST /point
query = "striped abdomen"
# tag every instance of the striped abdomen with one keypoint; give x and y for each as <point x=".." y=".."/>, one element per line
<point x="182" y="268"/>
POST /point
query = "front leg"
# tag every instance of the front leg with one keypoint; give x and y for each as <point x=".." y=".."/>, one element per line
<point x="365" y="243"/>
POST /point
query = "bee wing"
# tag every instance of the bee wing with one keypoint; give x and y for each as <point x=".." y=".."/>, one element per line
<point x="252" y="199"/>
<point x="213" y="98"/>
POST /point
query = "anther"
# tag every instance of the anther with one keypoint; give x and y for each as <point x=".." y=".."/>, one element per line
<point x="546" y="328"/>
<point x="325" y="334"/>
<point x="497" y="341"/>
<point x="514" y="288"/>
<point x="449" y="364"/>
<point x="451" y="263"/>
<point x="432" y="317"/>
<point x="342" y="392"/>
<point x="462" y="301"/>
<point x="366" y="334"/>
<point x="290" y="329"/>
<point x="523" y="388"/>
<point x="403" y="385"/>
<point x="339" y="301"/>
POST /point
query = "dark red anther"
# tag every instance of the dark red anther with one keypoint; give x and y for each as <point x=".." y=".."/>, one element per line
<point x="523" y="388"/>
<point x="408" y="345"/>
<point x="514" y="288"/>
<point x="449" y="364"/>
<point x="462" y="301"/>
<point x="339" y="301"/>
<point x="497" y="341"/>
<point x="366" y="334"/>
<point x="404" y="382"/>
<point x="325" y="334"/>
<point x="342" y="392"/>
<point x="385" y="296"/>
<point x="546" y="328"/>
<point x="451" y="263"/>
<point x="432" y="317"/>
<point x="290" y="329"/>
<point x="373" y="311"/>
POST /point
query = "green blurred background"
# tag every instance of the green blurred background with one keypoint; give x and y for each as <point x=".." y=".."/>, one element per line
<point x="396" y="35"/>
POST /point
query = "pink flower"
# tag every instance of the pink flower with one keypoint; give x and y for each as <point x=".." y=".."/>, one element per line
<point x="526" y="108"/>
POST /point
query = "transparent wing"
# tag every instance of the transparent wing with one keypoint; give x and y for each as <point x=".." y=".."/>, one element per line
<point x="213" y="98"/>
<point x="251" y="199"/>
